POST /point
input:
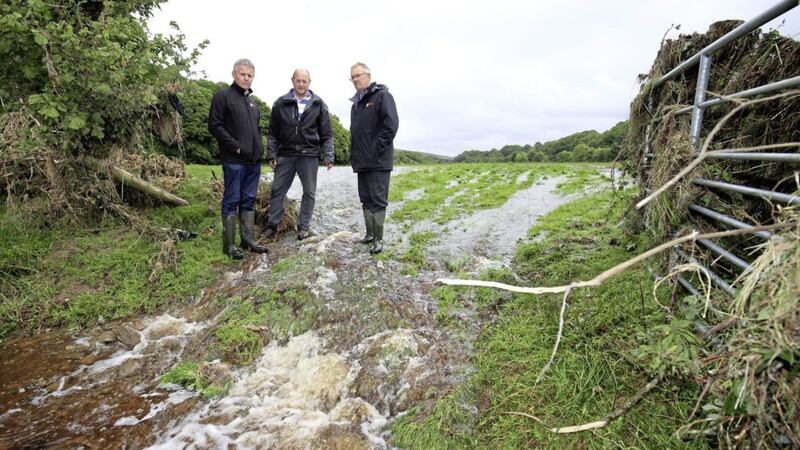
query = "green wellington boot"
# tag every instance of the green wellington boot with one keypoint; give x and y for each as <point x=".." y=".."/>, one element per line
<point x="377" y="230"/>
<point x="229" y="236"/>
<point x="246" y="229"/>
<point x="369" y="218"/>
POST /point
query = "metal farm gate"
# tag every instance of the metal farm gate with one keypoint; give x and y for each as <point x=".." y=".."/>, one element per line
<point x="725" y="251"/>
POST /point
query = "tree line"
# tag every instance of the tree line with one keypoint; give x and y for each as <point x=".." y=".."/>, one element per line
<point x="588" y="146"/>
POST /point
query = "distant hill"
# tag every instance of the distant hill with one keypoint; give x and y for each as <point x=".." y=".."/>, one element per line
<point x="582" y="146"/>
<point x="412" y="157"/>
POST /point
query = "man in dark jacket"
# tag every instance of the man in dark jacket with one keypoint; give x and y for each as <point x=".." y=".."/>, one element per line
<point x="373" y="126"/>
<point x="233" y="121"/>
<point x="299" y="137"/>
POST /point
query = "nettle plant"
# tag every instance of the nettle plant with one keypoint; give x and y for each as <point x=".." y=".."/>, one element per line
<point x="88" y="72"/>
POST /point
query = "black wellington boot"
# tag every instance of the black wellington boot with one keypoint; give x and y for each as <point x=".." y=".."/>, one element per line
<point x="369" y="219"/>
<point x="246" y="229"/>
<point x="377" y="230"/>
<point x="229" y="236"/>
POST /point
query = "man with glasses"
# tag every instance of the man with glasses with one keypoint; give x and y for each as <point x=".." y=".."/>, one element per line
<point x="233" y="121"/>
<point x="373" y="126"/>
<point x="300" y="136"/>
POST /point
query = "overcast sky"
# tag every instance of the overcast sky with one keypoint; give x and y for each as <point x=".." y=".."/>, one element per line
<point x="465" y="75"/>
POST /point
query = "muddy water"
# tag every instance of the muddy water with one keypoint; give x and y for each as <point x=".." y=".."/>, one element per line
<point x="373" y="351"/>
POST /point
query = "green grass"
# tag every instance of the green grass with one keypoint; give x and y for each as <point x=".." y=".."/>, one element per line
<point x="188" y="375"/>
<point x="450" y="191"/>
<point x="59" y="274"/>
<point x="595" y="369"/>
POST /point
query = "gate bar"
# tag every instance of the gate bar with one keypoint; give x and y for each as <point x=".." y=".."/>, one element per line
<point x="728" y="220"/>
<point x="747" y="190"/>
<point x="730" y="257"/>
<point x="776" y="157"/>
<point x="767" y="88"/>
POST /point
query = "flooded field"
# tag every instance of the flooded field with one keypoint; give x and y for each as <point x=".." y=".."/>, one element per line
<point x="350" y="342"/>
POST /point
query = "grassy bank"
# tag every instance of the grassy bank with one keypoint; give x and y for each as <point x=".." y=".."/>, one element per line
<point x="596" y="368"/>
<point x="63" y="274"/>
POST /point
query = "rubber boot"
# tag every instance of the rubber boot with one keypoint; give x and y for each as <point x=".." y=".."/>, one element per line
<point x="368" y="222"/>
<point x="229" y="237"/>
<point x="377" y="231"/>
<point x="246" y="229"/>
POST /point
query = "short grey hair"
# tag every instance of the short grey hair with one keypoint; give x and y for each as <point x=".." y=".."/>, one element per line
<point x="243" y="62"/>
<point x="361" y="65"/>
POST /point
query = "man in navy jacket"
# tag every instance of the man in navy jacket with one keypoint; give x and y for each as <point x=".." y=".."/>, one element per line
<point x="373" y="126"/>
<point x="233" y="121"/>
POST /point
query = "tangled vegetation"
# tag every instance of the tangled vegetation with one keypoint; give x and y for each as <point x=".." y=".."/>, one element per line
<point x="747" y="366"/>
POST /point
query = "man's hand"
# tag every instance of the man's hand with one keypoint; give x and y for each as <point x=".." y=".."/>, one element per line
<point x="238" y="150"/>
<point x="329" y="165"/>
<point x="272" y="163"/>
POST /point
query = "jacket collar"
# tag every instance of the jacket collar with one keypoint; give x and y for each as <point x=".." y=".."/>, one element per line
<point x="371" y="89"/>
<point x="240" y="90"/>
<point x="289" y="97"/>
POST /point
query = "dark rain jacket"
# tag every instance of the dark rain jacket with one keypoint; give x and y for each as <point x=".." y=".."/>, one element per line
<point x="233" y="121"/>
<point x="373" y="126"/>
<point x="309" y="136"/>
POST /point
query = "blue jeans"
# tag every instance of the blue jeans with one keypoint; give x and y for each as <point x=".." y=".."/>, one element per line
<point x="287" y="166"/>
<point x="241" y="187"/>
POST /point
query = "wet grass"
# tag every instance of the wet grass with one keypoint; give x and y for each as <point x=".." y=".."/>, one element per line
<point x="62" y="274"/>
<point x="189" y="375"/>
<point x="414" y="257"/>
<point x="595" y="369"/>
<point x="449" y="191"/>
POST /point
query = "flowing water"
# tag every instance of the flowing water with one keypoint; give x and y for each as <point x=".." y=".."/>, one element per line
<point x="373" y="351"/>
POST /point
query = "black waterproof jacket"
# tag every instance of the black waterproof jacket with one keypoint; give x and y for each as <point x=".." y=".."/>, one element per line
<point x="233" y="121"/>
<point x="373" y="126"/>
<point x="310" y="136"/>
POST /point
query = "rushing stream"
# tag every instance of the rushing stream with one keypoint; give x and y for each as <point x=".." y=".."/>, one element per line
<point x="373" y="352"/>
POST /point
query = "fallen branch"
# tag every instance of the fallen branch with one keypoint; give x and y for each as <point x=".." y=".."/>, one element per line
<point x="127" y="178"/>
<point x="619" y="268"/>
<point x="558" y="336"/>
<point x="605" y="420"/>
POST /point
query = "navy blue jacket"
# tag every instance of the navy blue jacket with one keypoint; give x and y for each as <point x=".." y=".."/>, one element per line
<point x="233" y="121"/>
<point x="373" y="126"/>
<point x="310" y="136"/>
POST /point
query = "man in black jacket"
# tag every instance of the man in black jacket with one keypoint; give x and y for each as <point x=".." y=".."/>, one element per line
<point x="373" y="126"/>
<point x="299" y="137"/>
<point x="233" y="121"/>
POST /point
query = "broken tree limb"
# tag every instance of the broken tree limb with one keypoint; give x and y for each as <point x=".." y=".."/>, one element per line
<point x="129" y="179"/>
<point x="619" y="268"/>
<point x="605" y="420"/>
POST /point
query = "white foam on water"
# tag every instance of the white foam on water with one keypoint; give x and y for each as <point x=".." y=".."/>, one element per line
<point x="295" y="392"/>
<point x="162" y="328"/>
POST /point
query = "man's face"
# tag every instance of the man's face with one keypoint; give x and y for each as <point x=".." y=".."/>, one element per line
<point x="360" y="78"/>
<point x="300" y="81"/>
<point x="243" y="76"/>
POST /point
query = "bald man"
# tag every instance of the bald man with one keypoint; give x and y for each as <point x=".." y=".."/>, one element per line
<point x="300" y="137"/>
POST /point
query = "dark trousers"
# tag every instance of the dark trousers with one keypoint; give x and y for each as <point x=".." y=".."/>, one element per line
<point x="373" y="189"/>
<point x="287" y="166"/>
<point x="241" y="187"/>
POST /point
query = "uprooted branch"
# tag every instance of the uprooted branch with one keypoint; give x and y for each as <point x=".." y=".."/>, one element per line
<point x="605" y="420"/>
